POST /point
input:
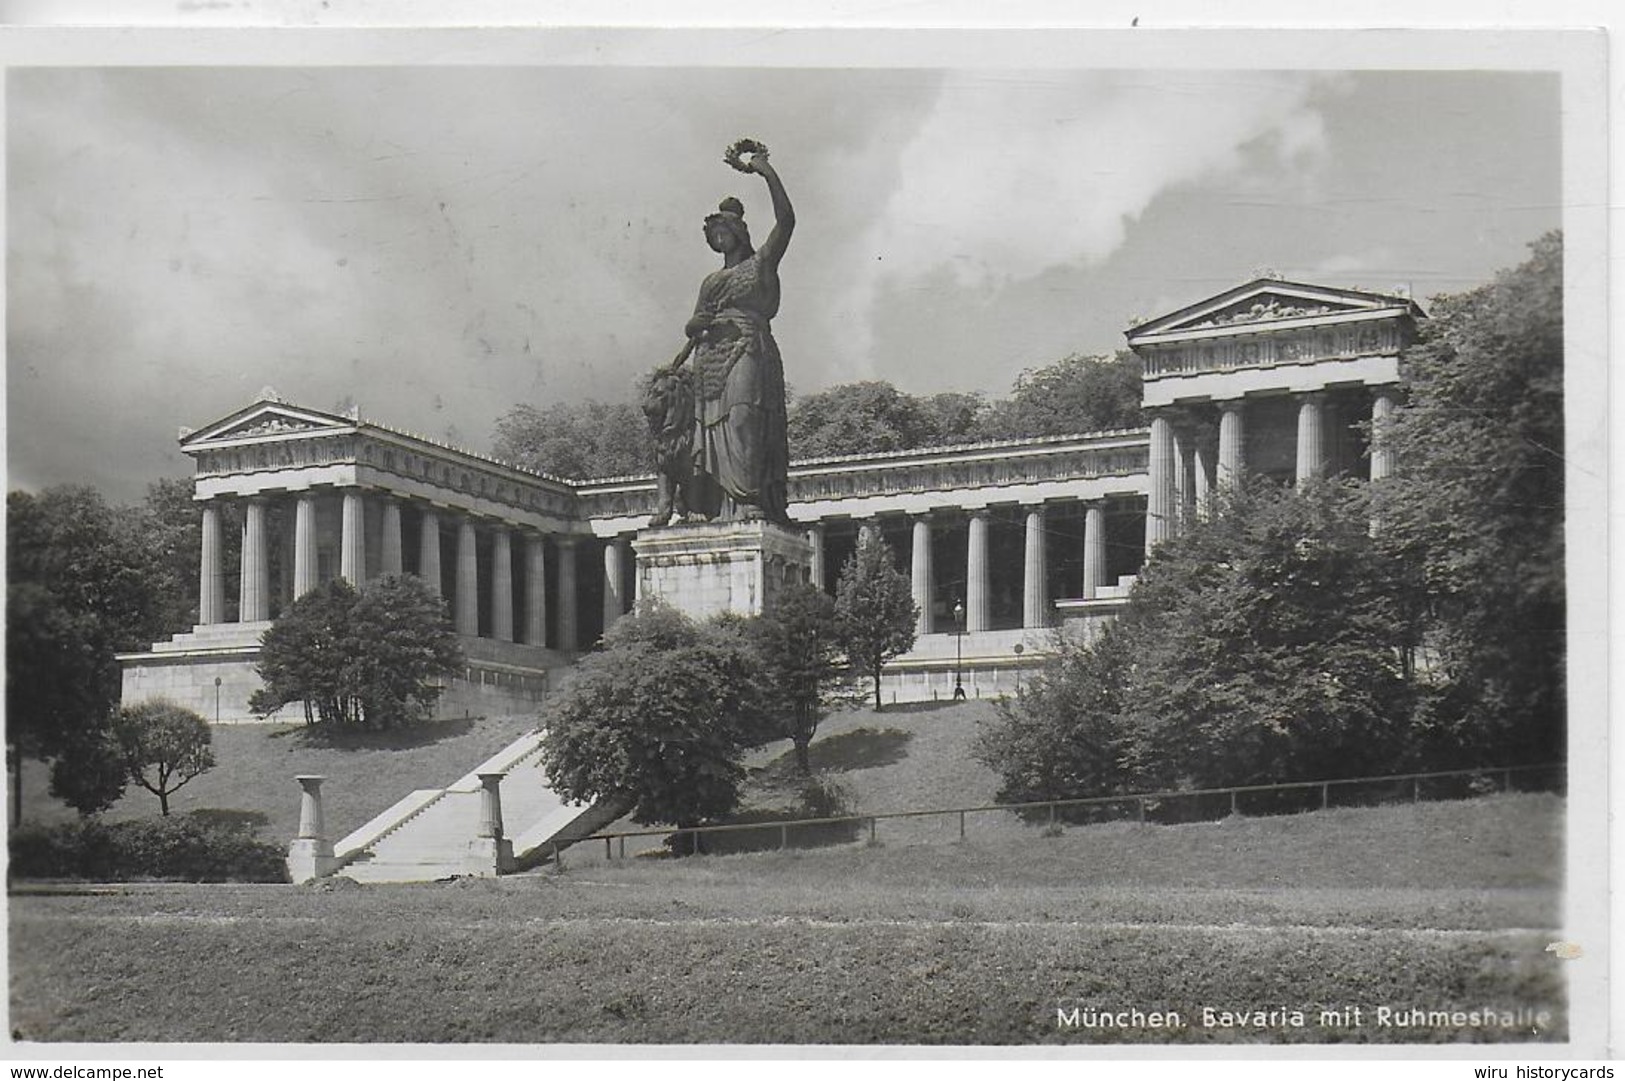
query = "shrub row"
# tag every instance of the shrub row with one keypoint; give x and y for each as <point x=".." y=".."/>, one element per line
<point x="163" y="849"/>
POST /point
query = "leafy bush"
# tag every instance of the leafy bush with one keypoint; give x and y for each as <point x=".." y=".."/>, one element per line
<point x="185" y="849"/>
<point x="660" y="715"/>
<point x="1270" y="643"/>
<point x="372" y="658"/>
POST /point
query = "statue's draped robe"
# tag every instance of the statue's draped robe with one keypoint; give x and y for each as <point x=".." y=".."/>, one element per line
<point x="741" y="455"/>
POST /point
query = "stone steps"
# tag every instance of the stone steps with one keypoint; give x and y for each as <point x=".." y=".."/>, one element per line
<point x="433" y="834"/>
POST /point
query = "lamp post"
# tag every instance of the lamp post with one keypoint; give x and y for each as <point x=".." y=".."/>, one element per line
<point x="217" y="700"/>
<point x="959" y="650"/>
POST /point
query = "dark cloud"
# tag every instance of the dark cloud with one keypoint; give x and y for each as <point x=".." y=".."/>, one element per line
<point x="440" y="244"/>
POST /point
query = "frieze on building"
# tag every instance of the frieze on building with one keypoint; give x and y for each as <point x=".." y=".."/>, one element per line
<point x="1269" y="322"/>
<point x="941" y="469"/>
<point x="273" y="437"/>
<point x="1298" y="346"/>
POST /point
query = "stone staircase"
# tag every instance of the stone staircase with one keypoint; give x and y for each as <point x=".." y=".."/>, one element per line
<point x="433" y="833"/>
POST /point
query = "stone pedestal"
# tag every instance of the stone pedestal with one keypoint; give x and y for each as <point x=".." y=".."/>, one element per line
<point x="311" y="854"/>
<point x="490" y="852"/>
<point x="705" y="568"/>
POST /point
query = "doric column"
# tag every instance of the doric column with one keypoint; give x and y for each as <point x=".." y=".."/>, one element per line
<point x="391" y="552"/>
<point x="815" y="537"/>
<point x="304" y="545"/>
<point x="976" y="583"/>
<point x="921" y="576"/>
<point x="567" y="594"/>
<point x="1202" y="476"/>
<point x="1035" y="573"/>
<point x="468" y="580"/>
<point x="1232" y="435"/>
<point x="1311" y="438"/>
<point x="211" y="603"/>
<point x="614" y="581"/>
<point x="535" y="590"/>
<point x="254" y="598"/>
<point x="1184" y="489"/>
<point x="429" y="550"/>
<point x="1160" y="506"/>
<point x="353" y="540"/>
<point x="1382" y="410"/>
<point x="284" y="570"/>
<point x="1094" y="551"/>
<point x="501" y="585"/>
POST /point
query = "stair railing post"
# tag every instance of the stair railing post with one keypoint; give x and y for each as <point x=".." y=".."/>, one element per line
<point x="490" y="849"/>
<point x="311" y="853"/>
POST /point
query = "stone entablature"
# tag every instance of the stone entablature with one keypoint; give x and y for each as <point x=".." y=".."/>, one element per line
<point x="1361" y="336"/>
<point x="274" y="447"/>
<point x="976" y="474"/>
<point x="1267" y="323"/>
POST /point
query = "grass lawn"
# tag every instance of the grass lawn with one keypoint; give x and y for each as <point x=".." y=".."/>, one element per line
<point x="253" y="778"/>
<point x="1437" y="906"/>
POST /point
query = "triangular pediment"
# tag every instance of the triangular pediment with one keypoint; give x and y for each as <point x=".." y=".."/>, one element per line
<point x="268" y="419"/>
<point x="1268" y="300"/>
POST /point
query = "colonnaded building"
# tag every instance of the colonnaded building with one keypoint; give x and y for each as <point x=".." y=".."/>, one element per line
<point x="1022" y="537"/>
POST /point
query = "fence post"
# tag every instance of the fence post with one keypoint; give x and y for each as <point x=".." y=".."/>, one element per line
<point x="1233" y="809"/>
<point x="961" y="825"/>
<point x="784" y="836"/>
<point x="1506" y="781"/>
<point x="1325" y="796"/>
<point x="1052" y="816"/>
<point x="1139" y="810"/>
<point x="607" y="855"/>
<point x="622" y="846"/>
<point x="871" y="829"/>
<point x="1416" y="790"/>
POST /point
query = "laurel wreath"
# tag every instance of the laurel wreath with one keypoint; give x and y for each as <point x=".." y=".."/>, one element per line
<point x="734" y="155"/>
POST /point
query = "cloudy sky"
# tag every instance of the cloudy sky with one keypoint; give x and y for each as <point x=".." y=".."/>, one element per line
<point x="439" y="244"/>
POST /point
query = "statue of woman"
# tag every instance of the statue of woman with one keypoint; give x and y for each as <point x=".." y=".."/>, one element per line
<point x="741" y="456"/>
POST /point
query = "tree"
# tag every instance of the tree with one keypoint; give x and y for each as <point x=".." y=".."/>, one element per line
<point x="79" y="589"/>
<point x="170" y="524"/>
<point x="401" y="647"/>
<point x="88" y="772"/>
<point x="802" y="662"/>
<point x="659" y="716"/>
<point x="1269" y="643"/>
<point x="1062" y="734"/>
<point x="1077" y="394"/>
<point x="373" y="657"/>
<point x="1477" y="501"/>
<point x="162" y="745"/>
<point x="953" y="416"/>
<point x="577" y="440"/>
<point x="303" y="657"/>
<point x="875" y="613"/>
<point x="858" y="418"/>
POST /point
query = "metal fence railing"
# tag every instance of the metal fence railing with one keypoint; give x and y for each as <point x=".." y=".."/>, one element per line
<point x="1165" y="808"/>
